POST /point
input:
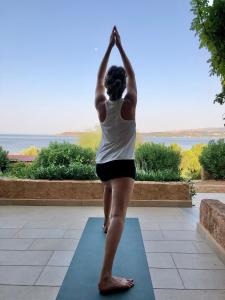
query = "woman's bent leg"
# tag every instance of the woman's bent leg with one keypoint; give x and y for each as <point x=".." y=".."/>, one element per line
<point x="122" y="189"/>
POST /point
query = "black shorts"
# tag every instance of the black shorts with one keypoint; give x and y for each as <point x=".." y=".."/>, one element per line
<point x="116" y="168"/>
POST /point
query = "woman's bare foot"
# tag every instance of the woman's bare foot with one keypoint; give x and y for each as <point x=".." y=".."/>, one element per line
<point x="115" y="284"/>
<point x="106" y="226"/>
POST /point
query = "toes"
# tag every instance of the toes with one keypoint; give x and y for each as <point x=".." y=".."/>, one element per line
<point x="130" y="284"/>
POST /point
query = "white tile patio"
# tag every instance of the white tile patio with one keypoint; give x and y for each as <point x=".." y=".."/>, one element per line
<point x="37" y="244"/>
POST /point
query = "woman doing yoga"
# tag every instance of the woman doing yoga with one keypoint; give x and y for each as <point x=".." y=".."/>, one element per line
<point x="115" y="165"/>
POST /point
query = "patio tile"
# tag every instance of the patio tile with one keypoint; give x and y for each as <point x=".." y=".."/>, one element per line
<point x="166" y="278"/>
<point x="24" y="257"/>
<point x="13" y="292"/>
<point x="8" y="223"/>
<point x="202" y="247"/>
<point x="77" y="224"/>
<point x="54" y="224"/>
<point x="73" y="233"/>
<point x="39" y="233"/>
<point x="22" y="275"/>
<point x="7" y="232"/>
<point x="149" y="225"/>
<point x="54" y="244"/>
<point x="197" y="261"/>
<point x="170" y="246"/>
<point x="52" y="276"/>
<point x="61" y="258"/>
<point x="160" y="260"/>
<point x="173" y="294"/>
<point x="186" y="235"/>
<point x="15" y="244"/>
<point x="152" y="235"/>
<point x="177" y="226"/>
<point x="201" y="279"/>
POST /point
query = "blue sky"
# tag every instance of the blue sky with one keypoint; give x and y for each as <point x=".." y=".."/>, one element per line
<point x="50" y="52"/>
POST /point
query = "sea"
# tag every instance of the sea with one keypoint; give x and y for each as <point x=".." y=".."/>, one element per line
<point x="15" y="143"/>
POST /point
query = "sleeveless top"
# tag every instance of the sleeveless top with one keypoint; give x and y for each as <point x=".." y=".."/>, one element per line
<point x="118" y="135"/>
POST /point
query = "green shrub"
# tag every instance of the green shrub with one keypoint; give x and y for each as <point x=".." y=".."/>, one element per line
<point x="4" y="161"/>
<point x="64" y="154"/>
<point x="190" y="166"/>
<point x="212" y="158"/>
<point x="164" y="175"/>
<point x="157" y="157"/>
<point x="18" y="170"/>
<point x="75" y="170"/>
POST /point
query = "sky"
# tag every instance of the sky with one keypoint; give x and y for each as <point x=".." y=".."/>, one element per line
<point x="50" y="52"/>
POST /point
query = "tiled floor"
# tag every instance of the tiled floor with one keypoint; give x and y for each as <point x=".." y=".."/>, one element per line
<point x="34" y="261"/>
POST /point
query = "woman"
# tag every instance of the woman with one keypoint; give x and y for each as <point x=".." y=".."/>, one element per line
<point x="115" y="164"/>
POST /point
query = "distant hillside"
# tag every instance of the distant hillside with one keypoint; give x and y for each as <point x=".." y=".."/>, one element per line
<point x="70" y="133"/>
<point x="199" y="132"/>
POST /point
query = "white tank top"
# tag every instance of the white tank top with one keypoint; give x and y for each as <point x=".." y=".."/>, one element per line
<point x="118" y="135"/>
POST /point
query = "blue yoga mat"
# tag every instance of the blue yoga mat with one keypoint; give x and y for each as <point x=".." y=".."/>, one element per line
<point x="81" y="279"/>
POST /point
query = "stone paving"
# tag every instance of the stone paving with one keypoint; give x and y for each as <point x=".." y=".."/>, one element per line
<point x="37" y="244"/>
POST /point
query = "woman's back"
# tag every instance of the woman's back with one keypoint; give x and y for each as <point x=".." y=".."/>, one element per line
<point x="118" y="134"/>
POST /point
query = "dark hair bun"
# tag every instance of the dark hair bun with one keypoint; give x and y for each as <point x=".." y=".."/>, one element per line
<point x="115" y="82"/>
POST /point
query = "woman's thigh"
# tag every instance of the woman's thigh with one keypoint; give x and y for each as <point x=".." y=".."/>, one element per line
<point x="122" y="189"/>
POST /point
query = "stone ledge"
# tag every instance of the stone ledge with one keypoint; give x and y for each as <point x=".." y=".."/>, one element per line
<point x="72" y="192"/>
<point x="211" y="241"/>
<point x="212" y="218"/>
<point x="209" y="186"/>
<point x="95" y="202"/>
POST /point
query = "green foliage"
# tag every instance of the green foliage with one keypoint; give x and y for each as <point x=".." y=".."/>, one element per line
<point x="159" y="175"/>
<point x="4" y="161"/>
<point x="212" y="158"/>
<point x="91" y="139"/>
<point x="74" y="171"/>
<point x="32" y="150"/>
<point x="157" y="157"/>
<point x="209" y="25"/>
<point x="176" y="147"/>
<point x="192" y="190"/>
<point x="18" y="170"/>
<point x="190" y="166"/>
<point x="64" y="154"/>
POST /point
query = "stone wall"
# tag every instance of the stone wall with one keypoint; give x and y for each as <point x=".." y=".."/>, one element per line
<point x="212" y="218"/>
<point x="72" y="191"/>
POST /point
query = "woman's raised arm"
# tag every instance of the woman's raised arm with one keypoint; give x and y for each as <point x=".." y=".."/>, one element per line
<point x="100" y="89"/>
<point x="131" y="84"/>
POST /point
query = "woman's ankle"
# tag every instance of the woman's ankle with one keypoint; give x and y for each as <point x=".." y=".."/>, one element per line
<point x="106" y="276"/>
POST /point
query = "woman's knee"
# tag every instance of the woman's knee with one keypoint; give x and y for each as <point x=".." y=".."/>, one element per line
<point x="107" y="186"/>
<point x="119" y="217"/>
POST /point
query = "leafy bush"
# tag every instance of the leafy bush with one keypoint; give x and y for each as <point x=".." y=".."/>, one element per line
<point x="163" y="175"/>
<point x="4" y="161"/>
<point x="190" y="166"/>
<point x="18" y="170"/>
<point x="91" y="139"/>
<point x="157" y="157"/>
<point x="212" y="158"/>
<point x="64" y="154"/>
<point x="75" y="170"/>
<point x="32" y="150"/>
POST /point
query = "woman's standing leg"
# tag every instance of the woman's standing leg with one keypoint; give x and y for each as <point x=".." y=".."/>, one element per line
<point x="107" y="200"/>
<point x="122" y="189"/>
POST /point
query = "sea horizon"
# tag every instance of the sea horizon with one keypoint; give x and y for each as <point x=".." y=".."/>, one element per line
<point x="15" y="143"/>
